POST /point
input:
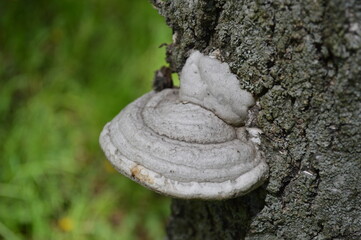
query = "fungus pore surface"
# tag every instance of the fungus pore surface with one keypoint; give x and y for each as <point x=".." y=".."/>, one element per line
<point x="189" y="142"/>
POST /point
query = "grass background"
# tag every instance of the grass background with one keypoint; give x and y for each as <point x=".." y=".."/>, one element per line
<point x="66" y="68"/>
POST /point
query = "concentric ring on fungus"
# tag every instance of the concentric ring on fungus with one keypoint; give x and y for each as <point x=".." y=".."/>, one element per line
<point x="182" y="149"/>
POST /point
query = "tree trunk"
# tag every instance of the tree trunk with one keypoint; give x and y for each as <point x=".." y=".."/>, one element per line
<point x="302" y="61"/>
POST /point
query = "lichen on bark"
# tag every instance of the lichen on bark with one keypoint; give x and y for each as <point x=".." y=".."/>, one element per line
<point x="302" y="60"/>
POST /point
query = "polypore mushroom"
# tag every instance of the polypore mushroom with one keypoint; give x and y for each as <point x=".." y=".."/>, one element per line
<point x="189" y="142"/>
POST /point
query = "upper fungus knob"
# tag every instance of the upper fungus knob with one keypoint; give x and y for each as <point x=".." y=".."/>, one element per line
<point x="184" y="143"/>
<point x="209" y="83"/>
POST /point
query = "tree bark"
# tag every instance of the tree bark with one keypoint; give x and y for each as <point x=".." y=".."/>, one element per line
<point x="302" y="61"/>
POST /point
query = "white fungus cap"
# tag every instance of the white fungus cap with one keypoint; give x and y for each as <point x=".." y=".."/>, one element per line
<point x="182" y="149"/>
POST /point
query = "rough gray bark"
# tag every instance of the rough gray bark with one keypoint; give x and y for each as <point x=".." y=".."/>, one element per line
<point x="302" y="60"/>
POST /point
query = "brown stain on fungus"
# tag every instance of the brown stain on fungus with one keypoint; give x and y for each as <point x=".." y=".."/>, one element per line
<point x="137" y="174"/>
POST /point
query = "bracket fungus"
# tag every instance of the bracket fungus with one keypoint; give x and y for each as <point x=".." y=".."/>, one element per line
<point x="189" y="142"/>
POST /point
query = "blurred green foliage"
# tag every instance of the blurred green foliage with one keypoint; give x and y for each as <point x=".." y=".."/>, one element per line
<point x="66" y="68"/>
